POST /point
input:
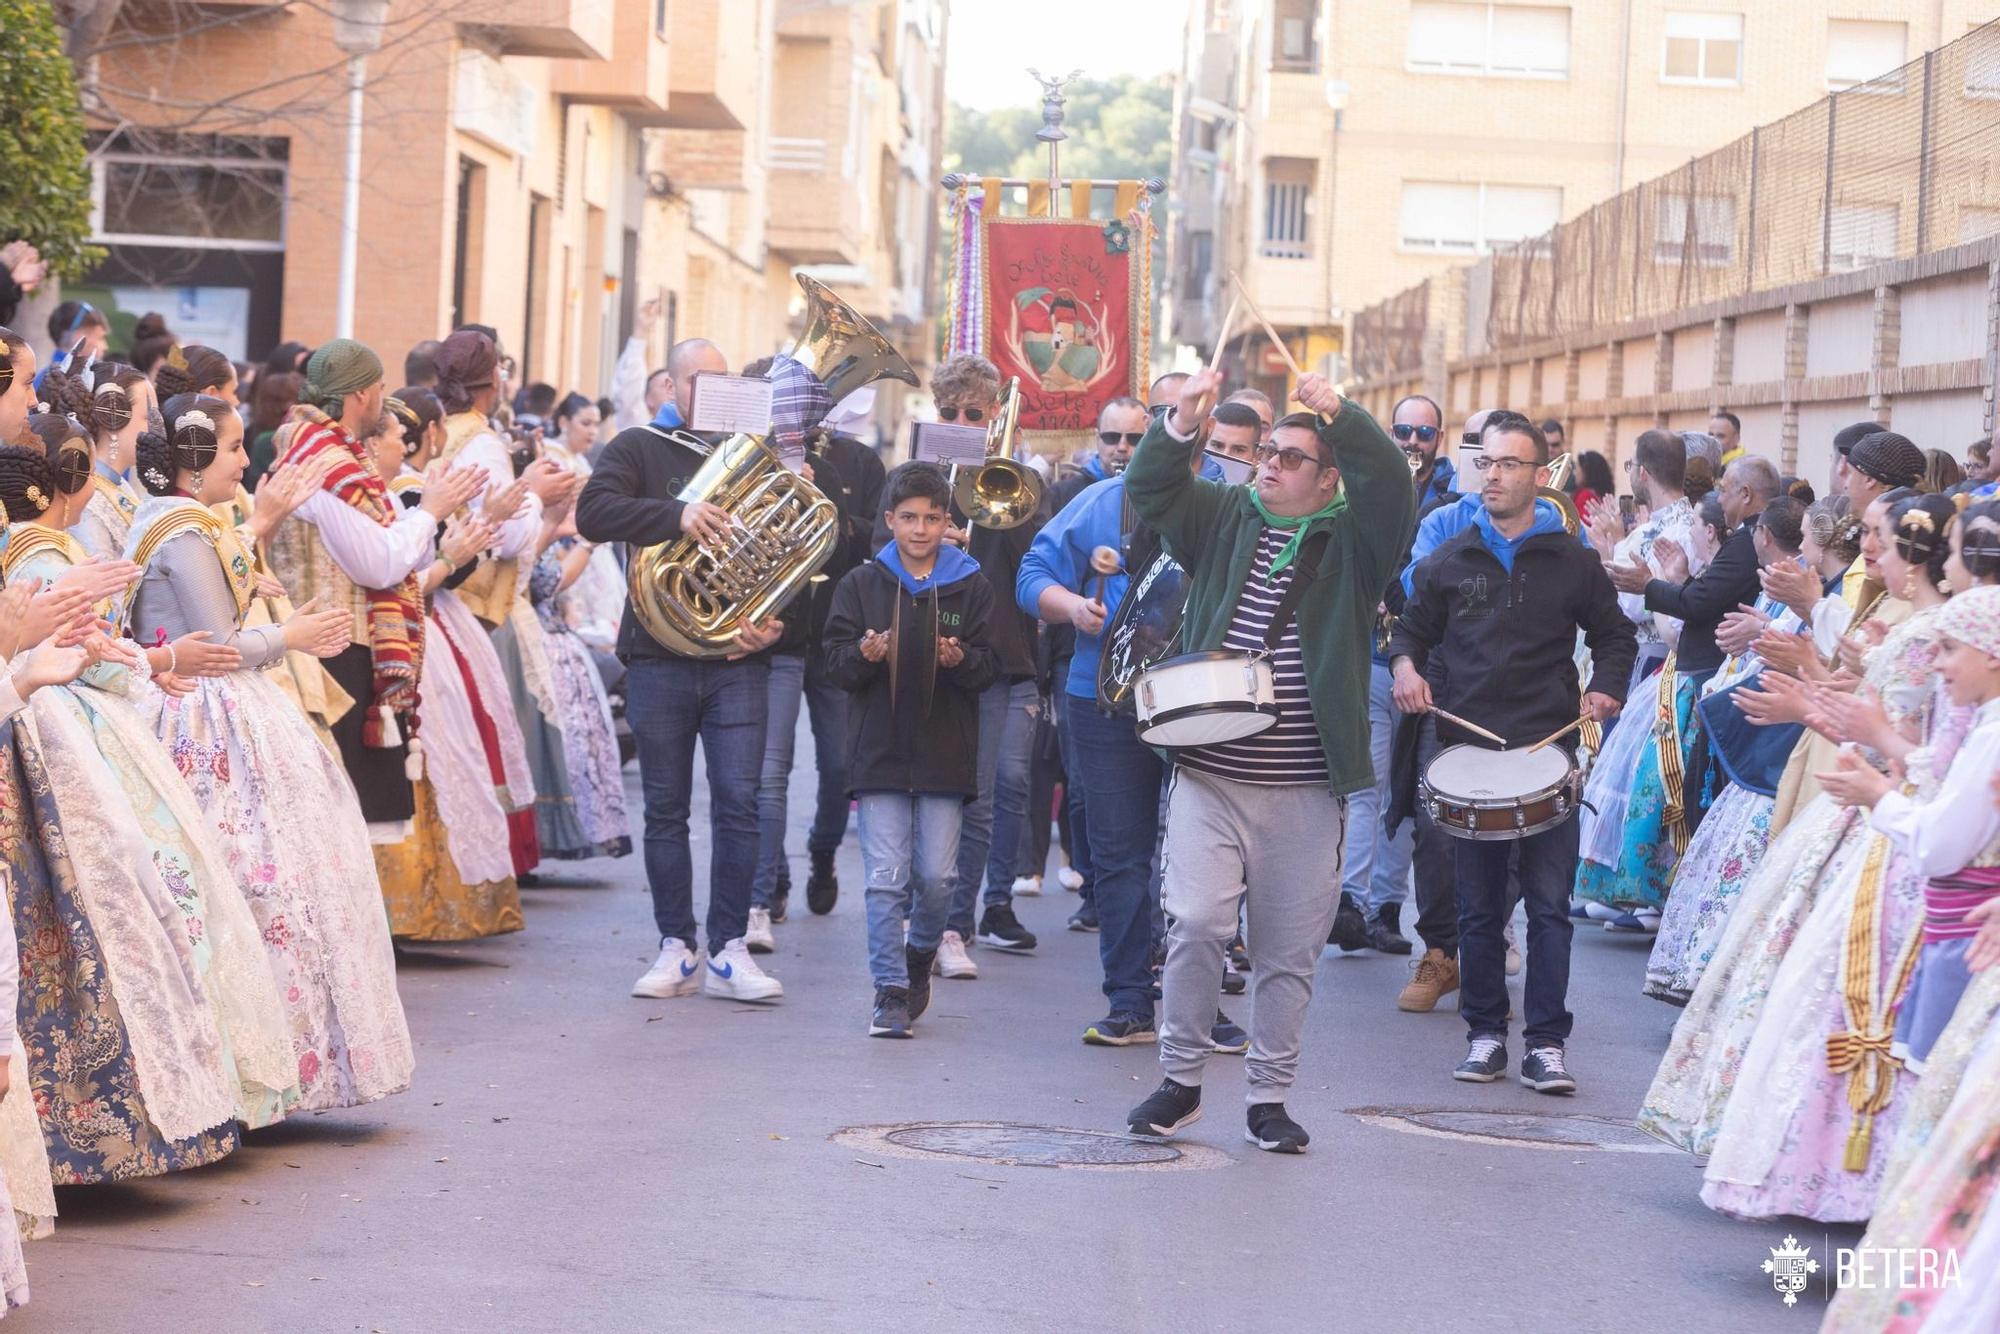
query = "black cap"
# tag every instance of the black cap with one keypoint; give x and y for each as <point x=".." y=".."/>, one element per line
<point x="1848" y="437"/>
<point x="1891" y="459"/>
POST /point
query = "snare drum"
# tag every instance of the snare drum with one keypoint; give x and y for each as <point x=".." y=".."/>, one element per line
<point x="1471" y="792"/>
<point x="1205" y="699"/>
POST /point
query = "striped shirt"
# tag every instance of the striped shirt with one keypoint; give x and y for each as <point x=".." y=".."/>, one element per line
<point x="1289" y="752"/>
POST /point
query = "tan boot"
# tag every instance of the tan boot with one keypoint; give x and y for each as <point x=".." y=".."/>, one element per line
<point x="1435" y="976"/>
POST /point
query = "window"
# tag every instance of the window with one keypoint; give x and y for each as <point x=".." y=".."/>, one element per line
<point x="1861" y="235"/>
<point x="1200" y="258"/>
<point x="1862" y="51"/>
<point x="1288" y="184"/>
<point x="197" y="202"/>
<point x="1982" y="63"/>
<point x="1469" y="219"/>
<point x="1703" y="48"/>
<point x="1706" y="221"/>
<point x="1292" y="37"/>
<point x="1503" y="41"/>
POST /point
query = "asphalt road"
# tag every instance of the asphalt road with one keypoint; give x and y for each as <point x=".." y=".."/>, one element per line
<point x="571" y="1158"/>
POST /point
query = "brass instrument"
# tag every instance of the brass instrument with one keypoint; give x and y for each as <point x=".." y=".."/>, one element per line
<point x="1002" y="492"/>
<point x="1559" y="469"/>
<point x="695" y="598"/>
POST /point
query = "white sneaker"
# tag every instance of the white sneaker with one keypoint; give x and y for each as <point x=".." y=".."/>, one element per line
<point x="677" y="972"/>
<point x="734" y="975"/>
<point x="1028" y="886"/>
<point x="1513" y="951"/>
<point x="952" y="960"/>
<point x="758" y="935"/>
<point x="1071" y="878"/>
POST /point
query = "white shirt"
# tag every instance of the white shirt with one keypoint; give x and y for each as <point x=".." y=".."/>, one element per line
<point x="1831" y="617"/>
<point x="366" y="552"/>
<point x="1948" y="833"/>
<point x="488" y="453"/>
<point x="1636" y="547"/>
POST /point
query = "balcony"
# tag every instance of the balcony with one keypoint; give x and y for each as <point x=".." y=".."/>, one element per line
<point x="706" y="159"/>
<point x="632" y="78"/>
<point x="714" y="63"/>
<point x="815" y="216"/>
<point x="556" y="29"/>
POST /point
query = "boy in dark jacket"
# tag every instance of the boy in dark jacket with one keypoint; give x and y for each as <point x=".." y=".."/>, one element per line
<point x="907" y="639"/>
<point x="1500" y="604"/>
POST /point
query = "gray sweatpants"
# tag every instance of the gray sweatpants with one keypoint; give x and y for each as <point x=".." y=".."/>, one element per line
<point x="1278" y="850"/>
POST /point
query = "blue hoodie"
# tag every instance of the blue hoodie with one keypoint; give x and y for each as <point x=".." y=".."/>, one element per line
<point x="1548" y="519"/>
<point x="668" y="418"/>
<point x="952" y="566"/>
<point x="1448" y="521"/>
<point x="1060" y="557"/>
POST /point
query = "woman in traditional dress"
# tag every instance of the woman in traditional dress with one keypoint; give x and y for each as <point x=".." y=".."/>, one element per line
<point x="114" y="404"/>
<point x="453" y="878"/>
<point x="196" y="370"/>
<point x="1728" y="847"/>
<point x="151" y="1019"/>
<point x="590" y="741"/>
<point x="279" y="803"/>
<point x="592" y="604"/>
<point x="1692" y="1086"/>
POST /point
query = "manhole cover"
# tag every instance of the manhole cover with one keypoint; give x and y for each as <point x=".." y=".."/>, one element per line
<point x="1015" y="1144"/>
<point x="1528" y="1130"/>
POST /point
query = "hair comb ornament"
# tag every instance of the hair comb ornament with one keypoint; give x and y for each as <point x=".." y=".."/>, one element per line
<point x="177" y="358"/>
<point x="194" y="417"/>
<point x="154" y="477"/>
<point x="74" y="469"/>
<point x="36" y="498"/>
<point x="1918" y="519"/>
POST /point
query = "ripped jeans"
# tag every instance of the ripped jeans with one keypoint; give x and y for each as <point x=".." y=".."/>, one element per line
<point x="909" y="862"/>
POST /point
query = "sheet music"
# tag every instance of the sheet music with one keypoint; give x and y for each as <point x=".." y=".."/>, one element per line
<point x="945" y="444"/>
<point x="726" y="404"/>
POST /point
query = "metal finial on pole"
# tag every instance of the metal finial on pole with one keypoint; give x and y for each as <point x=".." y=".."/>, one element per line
<point x="1052" y="132"/>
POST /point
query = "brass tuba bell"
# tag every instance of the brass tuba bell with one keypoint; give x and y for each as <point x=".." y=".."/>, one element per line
<point x="1559" y="470"/>
<point x="695" y="598"/>
<point x="1002" y="492"/>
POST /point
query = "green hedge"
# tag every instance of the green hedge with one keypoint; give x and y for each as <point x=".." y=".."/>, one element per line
<point x="44" y="174"/>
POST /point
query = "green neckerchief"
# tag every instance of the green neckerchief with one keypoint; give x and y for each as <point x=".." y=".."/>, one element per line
<point x="1298" y="524"/>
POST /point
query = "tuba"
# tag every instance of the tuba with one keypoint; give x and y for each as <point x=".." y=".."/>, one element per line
<point x="695" y="598"/>
<point x="1002" y="492"/>
<point x="1559" y="470"/>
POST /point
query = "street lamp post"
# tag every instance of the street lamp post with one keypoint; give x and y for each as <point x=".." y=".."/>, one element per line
<point x="357" y="30"/>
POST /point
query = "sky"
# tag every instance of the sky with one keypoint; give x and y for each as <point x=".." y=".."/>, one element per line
<point x="993" y="42"/>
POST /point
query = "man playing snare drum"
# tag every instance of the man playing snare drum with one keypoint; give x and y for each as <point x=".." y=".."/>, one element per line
<point x="1501" y="604"/>
<point x="1291" y="563"/>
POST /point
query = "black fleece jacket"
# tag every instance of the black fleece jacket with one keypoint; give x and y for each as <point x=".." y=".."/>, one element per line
<point x="912" y="725"/>
<point x="1508" y="640"/>
<point x="1729" y="581"/>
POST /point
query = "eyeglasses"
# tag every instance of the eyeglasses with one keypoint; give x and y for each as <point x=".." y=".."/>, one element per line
<point x="1403" y="431"/>
<point x="1505" y="467"/>
<point x="1288" y="460"/>
<point x="1110" y="439"/>
<point x="971" y="414"/>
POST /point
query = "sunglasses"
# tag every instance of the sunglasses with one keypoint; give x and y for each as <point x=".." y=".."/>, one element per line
<point x="971" y="414"/>
<point x="1111" y="438"/>
<point x="1404" y="431"/>
<point x="1288" y="460"/>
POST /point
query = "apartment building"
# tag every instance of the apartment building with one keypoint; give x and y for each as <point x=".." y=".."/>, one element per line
<point x="548" y="167"/>
<point x="1332" y="152"/>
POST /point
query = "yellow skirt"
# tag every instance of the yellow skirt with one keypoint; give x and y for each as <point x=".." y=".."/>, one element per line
<point x="427" y="899"/>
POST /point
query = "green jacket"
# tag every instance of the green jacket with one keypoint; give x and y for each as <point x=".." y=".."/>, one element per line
<point x="1213" y="529"/>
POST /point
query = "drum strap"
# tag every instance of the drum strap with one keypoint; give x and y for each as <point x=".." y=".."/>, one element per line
<point x="1302" y="576"/>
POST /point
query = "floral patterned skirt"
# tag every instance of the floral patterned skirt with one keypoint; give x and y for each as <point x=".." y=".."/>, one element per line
<point x="590" y="746"/>
<point x="1724" y="853"/>
<point x="1637" y="877"/>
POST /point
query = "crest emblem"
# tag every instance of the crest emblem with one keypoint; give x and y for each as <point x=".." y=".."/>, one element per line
<point x="1789" y="1267"/>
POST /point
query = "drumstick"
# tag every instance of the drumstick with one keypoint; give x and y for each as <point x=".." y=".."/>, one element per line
<point x="1104" y="560"/>
<point x="1470" y="727"/>
<point x="1276" y="341"/>
<point x="1560" y="732"/>
<point x="1222" y="334"/>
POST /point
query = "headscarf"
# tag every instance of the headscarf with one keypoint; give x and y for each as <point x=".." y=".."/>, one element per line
<point x="1889" y="458"/>
<point x="1973" y="619"/>
<point x="338" y="368"/>
<point x="799" y="402"/>
<point x="466" y="361"/>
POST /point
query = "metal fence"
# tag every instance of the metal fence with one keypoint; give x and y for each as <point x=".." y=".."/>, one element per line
<point x="1389" y="335"/>
<point x="1902" y="165"/>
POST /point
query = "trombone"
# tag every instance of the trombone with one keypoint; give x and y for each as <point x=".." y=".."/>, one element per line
<point x="1002" y="492"/>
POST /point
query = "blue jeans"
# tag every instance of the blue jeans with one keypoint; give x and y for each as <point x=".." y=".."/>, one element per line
<point x="1547" y="865"/>
<point x="1120" y="783"/>
<point x="669" y="702"/>
<point x="990" y="842"/>
<point x="794" y="676"/>
<point x="1067" y="707"/>
<point x="1378" y="867"/>
<point x="909" y="856"/>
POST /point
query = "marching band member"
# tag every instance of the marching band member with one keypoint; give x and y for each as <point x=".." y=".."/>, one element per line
<point x="1295" y="562"/>
<point x="1500" y="634"/>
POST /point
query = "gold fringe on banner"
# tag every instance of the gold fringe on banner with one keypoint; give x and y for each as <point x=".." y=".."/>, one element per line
<point x="1079" y="199"/>
<point x="994" y="195"/>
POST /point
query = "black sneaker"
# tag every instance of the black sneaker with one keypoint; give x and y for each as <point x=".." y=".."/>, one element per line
<point x="1232" y="981"/>
<point x="1273" y="1131"/>
<point x="892" y="1013"/>
<point x="1485" y="1061"/>
<point x="1542" y="1070"/>
<point x="1171" y="1109"/>
<point x="1350" y="928"/>
<point x="999" y="929"/>
<point x="781" y="896"/>
<point x="919" y="963"/>
<point x="1084" y="918"/>
<point x="1385" y="930"/>
<point x="1121" y="1029"/>
<point x="822" y="886"/>
<point x="1239" y="954"/>
<point x="1228" y="1036"/>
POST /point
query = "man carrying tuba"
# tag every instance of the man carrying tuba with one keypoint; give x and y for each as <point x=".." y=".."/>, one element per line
<point x="672" y="698"/>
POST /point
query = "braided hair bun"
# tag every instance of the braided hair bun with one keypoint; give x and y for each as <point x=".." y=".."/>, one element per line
<point x="192" y="429"/>
<point x="1979" y="539"/>
<point x="155" y="463"/>
<point x="27" y="482"/>
<point x="1922" y="525"/>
